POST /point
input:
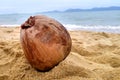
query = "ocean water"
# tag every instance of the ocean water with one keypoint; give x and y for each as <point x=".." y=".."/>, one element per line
<point x="107" y="21"/>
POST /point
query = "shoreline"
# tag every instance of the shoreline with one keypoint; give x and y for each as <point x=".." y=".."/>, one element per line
<point x="99" y="28"/>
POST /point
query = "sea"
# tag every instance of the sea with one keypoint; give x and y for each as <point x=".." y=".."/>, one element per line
<point x="102" y="21"/>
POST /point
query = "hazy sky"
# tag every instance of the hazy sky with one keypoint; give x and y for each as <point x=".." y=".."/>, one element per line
<point x="27" y="6"/>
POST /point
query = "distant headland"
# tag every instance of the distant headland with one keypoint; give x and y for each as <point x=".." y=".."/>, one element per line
<point x="92" y="9"/>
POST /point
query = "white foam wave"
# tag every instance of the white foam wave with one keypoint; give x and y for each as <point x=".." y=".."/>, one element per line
<point x="15" y="25"/>
<point x="100" y="28"/>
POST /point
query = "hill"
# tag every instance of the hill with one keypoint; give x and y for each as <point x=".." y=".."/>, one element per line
<point x="94" y="9"/>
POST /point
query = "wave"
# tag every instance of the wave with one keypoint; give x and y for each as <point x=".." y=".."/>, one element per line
<point x="14" y="25"/>
<point x="98" y="28"/>
<point x="72" y="27"/>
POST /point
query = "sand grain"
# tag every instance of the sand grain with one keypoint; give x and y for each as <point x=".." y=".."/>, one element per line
<point x="94" y="56"/>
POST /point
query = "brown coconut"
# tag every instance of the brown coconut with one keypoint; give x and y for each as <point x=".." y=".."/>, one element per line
<point x="45" y="42"/>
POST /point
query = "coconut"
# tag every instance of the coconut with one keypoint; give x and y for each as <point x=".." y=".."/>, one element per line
<point x="45" y="42"/>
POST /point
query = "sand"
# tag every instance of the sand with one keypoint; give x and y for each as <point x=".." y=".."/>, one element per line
<point x="94" y="56"/>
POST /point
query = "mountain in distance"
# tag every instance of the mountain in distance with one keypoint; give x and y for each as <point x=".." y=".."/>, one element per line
<point x="107" y="8"/>
<point x="92" y="9"/>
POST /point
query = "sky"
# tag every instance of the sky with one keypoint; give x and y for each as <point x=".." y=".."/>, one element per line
<point x="33" y="6"/>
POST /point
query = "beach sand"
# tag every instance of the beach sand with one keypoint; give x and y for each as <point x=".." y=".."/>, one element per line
<point x="94" y="56"/>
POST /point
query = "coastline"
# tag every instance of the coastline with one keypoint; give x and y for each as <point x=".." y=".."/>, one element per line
<point x="94" y="28"/>
<point x="7" y="25"/>
<point x="94" y="56"/>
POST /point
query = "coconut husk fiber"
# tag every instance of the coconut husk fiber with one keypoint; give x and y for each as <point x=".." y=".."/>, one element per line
<point x="45" y="42"/>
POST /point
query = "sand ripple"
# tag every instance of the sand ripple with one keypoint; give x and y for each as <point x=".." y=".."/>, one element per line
<point x="94" y="56"/>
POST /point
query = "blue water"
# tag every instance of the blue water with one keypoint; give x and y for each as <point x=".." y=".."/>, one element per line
<point x="73" y="20"/>
<point x="88" y="18"/>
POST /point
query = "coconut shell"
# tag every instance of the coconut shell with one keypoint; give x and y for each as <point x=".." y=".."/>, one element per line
<point x="45" y="42"/>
